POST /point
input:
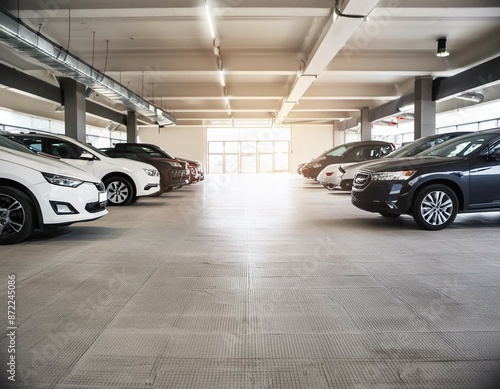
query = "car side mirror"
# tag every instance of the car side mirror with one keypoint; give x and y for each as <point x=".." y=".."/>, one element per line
<point x="87" y="156"/>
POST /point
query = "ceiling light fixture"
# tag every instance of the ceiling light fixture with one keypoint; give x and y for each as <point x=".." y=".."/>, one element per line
<point x="221" y="77"/>
<point x="210" y="20"/>
<point x="441" y="48"/>
<point x="475" y="97"/>
<point x="407" y="108"/>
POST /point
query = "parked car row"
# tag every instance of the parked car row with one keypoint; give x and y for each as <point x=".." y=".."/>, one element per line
<point x="432" y="179"/>
<point x="174" y="172"/>
<point x="348" y="152"/>
<point x="49" y="180"/>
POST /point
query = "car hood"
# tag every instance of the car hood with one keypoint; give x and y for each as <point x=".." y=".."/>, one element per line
<point x="409" y="163"/>
<point x="45" y="164"/>
<point x="364" y="164"/>
<point x="193" y="161"/>
<point x="127" y="164"/>
<point x="330" y="168"/>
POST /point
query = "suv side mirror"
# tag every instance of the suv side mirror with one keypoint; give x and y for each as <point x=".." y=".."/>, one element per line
<point x="87" y="156"/>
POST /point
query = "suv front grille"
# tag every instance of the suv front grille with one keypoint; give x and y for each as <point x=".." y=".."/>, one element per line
<point x="362" y="179"/>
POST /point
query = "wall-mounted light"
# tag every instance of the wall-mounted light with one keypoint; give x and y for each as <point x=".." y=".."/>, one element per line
<point x="441" y="48"/>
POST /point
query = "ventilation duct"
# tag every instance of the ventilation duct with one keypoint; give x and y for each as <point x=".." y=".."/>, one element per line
<point x="24" y="39"/>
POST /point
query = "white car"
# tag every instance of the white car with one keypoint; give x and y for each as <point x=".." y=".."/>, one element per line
<point x="37" y="192"/>
<point x="124" y="179"/>
<point x="326" y="176"/>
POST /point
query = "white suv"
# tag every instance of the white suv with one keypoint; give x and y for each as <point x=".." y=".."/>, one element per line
<point x="124" y="179"/>
<point x="37" y="192"/>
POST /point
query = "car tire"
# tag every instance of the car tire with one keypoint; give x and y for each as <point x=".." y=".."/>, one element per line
<point x="169" y="189"/>
<point x="346" y="185"/>
<point x="389" y="215"/>
<point x="16" y="216"/>
<point x="328" y="186"/>
<point x="435" y="207"/>
<point x="119" y="190"/>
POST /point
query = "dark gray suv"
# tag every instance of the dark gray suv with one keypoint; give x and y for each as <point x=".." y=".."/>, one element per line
<point x="460" y="175"/>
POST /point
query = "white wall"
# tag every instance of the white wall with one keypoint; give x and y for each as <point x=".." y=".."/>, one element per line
<point x="183" y="142"/>
<point x="310" y="141"/>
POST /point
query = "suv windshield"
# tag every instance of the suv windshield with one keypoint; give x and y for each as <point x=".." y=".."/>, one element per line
<point x="416" y="147"/>
<point x="460" y="147"/>
<point x="338" y="151"/>
<point x="96" y="150"/>
<point x="145" y="149"/>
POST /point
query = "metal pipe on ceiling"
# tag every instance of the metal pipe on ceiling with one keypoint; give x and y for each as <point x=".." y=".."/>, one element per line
<point x="20" y="37"/>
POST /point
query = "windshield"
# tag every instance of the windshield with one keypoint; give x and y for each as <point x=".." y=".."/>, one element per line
<point x="460" y="147"/>
<point x="338" y="151"/>
<point x="153" y="152"/>
<point x="96" y="150"/>
<point x="9" y="143"/>
<point x="416" y="147"/>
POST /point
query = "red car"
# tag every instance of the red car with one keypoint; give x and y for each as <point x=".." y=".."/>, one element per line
<point x="197" y="173"/>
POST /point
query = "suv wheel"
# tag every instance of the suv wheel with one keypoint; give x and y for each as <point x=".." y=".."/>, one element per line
<point x="119" y="190"/>
<point x="328" y="186"/>
<point x="16" y="216"/>
<point x="435" y="207"/>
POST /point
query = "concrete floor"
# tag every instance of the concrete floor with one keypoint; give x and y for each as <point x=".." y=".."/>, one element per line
<point x="256" y="281"/>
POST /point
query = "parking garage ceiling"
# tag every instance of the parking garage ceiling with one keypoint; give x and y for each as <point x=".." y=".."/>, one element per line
<point x="285" y="61"/>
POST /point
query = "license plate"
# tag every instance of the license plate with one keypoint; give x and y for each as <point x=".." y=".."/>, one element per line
<point x="103" y="196"/>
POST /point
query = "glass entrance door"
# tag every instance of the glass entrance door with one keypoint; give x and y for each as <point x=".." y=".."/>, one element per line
<point x="248" y="156"/>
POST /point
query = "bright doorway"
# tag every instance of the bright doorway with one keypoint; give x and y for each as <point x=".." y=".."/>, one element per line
<point x="248" y="150"/>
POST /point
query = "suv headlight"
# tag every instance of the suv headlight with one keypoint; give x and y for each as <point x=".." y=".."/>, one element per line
<point x="152" y="172"/>
<point x="56" y="179"/>
<point x="393" y="176"/>
<point x="316" y="165"/>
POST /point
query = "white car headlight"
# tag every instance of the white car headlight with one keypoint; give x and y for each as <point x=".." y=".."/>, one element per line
<point x="56" y="179"/>
<point x="393" y="176"/>
<point x="152" y="172"/>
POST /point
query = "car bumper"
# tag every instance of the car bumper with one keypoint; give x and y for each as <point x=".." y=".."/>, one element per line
<point x="64" y="205"/>
<point x="173" y="177"/>
<point x="310" y="172"/>
<point x="382" y="196"/>
<point x="146" y="185"/>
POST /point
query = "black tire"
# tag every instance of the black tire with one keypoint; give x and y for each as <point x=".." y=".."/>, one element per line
<point x="169" y="189"/>
<point x="346" y="185"/>
<point x="16" y="216"/>
<point x="328" y="186"/>
<point x="389" y="214"/>
<point x="120" y="190"/>
<point x="435" y="207"/>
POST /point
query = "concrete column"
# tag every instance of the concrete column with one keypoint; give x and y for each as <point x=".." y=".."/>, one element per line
<point x="75" y="108"/>
<point x="131" y="127"/>
<point x="338" y="135"/>
<point x="425" y="108"/>
<point x="366" y="125"/>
